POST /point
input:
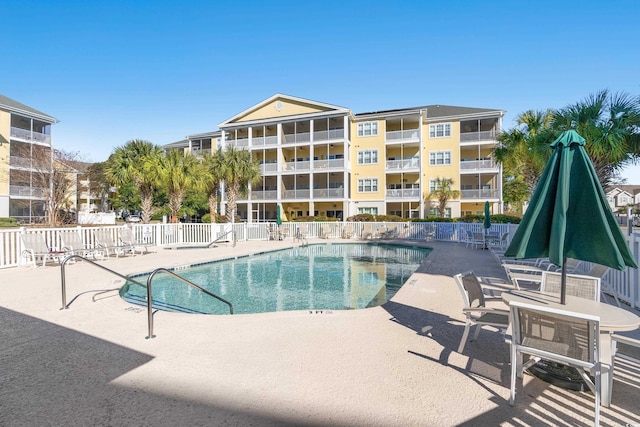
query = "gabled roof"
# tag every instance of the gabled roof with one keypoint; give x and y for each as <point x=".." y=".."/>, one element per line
<point x="311" y="108"/>
<point x="13" y="106"/>
<point x="436" y="112"/>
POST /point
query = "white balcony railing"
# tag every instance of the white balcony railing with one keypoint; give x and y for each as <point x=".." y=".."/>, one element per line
<point x="19" y="161"/>
<point x="489" y="135"/>
<point x="325" y="135"/>
<point x="260" y="141"/>
<point x="480" y="194"/>
<point x="328" y="193"/>
<point x="292" y="138"/>
<point x="25" y="191"/>
<point x="240" y="142"/>
<point x="297" y="166"/>
<point x="268" y="167"/>
<point x="477" y="165"/>
<point x="264" y="195"/>
<point x="296" y="194"/>
<point x="403" y="164"/>
<point x="328" y="164"/>
<point x="407" y="193"/>
<point x="27" y="135"/>
<point x="401" y="135"/>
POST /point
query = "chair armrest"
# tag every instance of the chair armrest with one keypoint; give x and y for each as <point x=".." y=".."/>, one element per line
<point x="485" y="310"/>
<point x="626" y="340"/>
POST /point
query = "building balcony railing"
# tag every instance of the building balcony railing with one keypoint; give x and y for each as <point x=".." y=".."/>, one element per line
<point x="297" y="166"/>
<point x="480" y="194"/>
<point x="240" y="142"/>
<point x="489" y="135"/>
<point x="328" y="193"/>
<point x="268" y="167"/>
<point x="296" y="194"/>
<point x="328" y="164"/>
<point x="407" y="193"/>
<point x="478" y="165"/>
<point x="326" y="135"/>
<point x="28" y="135"/>
<point x="25" y="191"/>
<point x="264" y="140"/>
<point x="264" y="195"/>
<point x="406" y="164"/>
<point x="292" y="138"/>
<point x="22" y="162"/>
<point x="401" y="135"/>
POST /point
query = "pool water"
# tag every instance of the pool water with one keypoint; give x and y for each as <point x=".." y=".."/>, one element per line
<point x="314" y="277"/>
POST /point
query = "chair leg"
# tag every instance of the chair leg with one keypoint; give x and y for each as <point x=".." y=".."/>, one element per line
<point x="514" y="368"/>
<point x="465" y="335"/>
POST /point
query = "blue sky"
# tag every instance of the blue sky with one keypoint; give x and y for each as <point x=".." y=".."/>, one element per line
<point x="111" y="71"/>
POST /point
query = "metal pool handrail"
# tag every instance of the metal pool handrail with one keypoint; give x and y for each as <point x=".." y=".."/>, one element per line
<point x="174" y="275"/>
<point x="64" y="281"/>
<point x="222" y="236"/>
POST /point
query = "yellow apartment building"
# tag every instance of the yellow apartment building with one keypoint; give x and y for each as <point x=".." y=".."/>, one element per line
<point x="25" y="139"/>
<point x="319" y="159"/>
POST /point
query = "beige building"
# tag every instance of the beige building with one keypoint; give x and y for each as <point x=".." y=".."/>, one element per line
<point x="25" y="146"/>
<point x="320" y="159"/>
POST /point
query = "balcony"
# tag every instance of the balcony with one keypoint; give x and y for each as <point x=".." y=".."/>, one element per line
<point x="297" y="194"/>
<point x="27" y="135"/>
<point x="304" y="166"/>
<point x="479" y="166"/>
<point x="264" y="195"/>
<point x="238" y="143"/>
<point x="480" y="194"/>
<point x="487" y="136"/>
<point x="328" y="193"/>
<point x="268" y="167"/>
<point x="22" y="162"/>
<point x="332" y="164"/>
<point x="403" y="165"/>
<point x="407" y="193"/>
<point x="261" y="141"/>
<point x="402" y="135"/>
<point x="26" y="191"/>
<point x="292" y="138"/>
<point x="326" y="135"/>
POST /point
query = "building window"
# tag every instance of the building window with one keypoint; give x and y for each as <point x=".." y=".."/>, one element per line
<point x="367" y="157"/>
<point x="434" y="185"/>
<point x="368" y="129"/>
<point x="372" y="211"/>
<point x="439" y="158"/>
<point x="436" y="212"/>
<point x="441" y="130"/>
<point x="368" y="185"/>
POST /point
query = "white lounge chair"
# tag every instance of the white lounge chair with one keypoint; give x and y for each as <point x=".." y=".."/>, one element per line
<point x="129" y="242"/>
<point x="72" y="244"/>
<point x="34" y="247"/>
<point x="105" y="242"/>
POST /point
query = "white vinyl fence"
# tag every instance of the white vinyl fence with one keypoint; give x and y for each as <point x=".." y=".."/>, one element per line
<point x="626" y="283"/>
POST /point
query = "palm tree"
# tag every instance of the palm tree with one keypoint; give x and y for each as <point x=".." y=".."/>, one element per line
<point x="524" y="150"/>
<point x="179" y="172"/>
<point x="237" y="169"/>
<point x="442" y="193"/>
<point x="211" y="180"/>
<point x="137" y="162"/>
<point x="609" y="123"/>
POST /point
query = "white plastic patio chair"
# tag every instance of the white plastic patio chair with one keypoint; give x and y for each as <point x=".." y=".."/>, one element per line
<point x="577" y="285"/>
<point x="72" y="244"/>
<point x="475" y="309"/>
<point x="558" y="336"/>
<point x="34" y="247"/>
<point x="105" y="242"/>
<point x="129" y="242"/>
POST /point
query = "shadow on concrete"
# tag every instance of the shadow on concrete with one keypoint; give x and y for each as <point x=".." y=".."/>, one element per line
<point x="51" y="375"/>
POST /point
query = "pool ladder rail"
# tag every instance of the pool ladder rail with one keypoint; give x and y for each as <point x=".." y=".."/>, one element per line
<point x="150" y="311"/>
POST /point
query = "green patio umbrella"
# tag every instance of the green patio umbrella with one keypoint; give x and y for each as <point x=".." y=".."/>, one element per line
<point x="278" y="215"/>
<point x="568" y="216"/>
<point x="487" y="216"/>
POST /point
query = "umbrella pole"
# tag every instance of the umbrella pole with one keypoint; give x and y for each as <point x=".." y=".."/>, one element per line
<point x="563" y="282"/>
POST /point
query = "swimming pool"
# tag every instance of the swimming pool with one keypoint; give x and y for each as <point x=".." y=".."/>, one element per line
<point x="313" y="277"/>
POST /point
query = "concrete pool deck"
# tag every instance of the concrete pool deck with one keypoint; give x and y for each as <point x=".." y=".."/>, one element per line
<point x="393" y="365"/>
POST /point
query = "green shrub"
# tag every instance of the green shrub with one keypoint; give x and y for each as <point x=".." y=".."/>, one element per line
<point x="206" y="218"/>
<point x="433" y="218"/>
<point x="363" y="217"/>
<point x="389" y="218"/>
<point x="8" y="222"/>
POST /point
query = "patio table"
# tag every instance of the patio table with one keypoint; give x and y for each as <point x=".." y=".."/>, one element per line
<point x="612" y="319"/>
